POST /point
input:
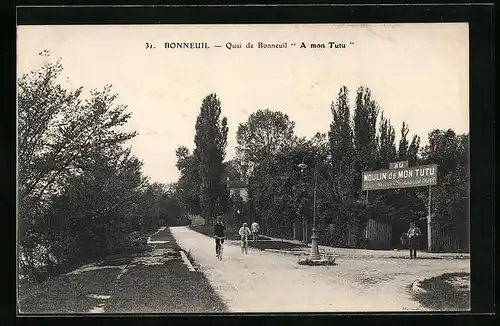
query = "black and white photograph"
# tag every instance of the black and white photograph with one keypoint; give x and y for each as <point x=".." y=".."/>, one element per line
<point x="243" y="168"/>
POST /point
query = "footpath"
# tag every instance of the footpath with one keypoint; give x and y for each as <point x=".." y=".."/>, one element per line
<point x="270" y="282"/>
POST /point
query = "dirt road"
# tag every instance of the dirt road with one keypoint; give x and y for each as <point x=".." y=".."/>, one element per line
<point x="271" y="282"/>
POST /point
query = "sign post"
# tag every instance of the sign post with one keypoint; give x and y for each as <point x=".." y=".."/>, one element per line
<point x="398" y="165"/>
<point x="400" y="175"/>
<point x="416" y="176"/>
<point x="429" y="229"/>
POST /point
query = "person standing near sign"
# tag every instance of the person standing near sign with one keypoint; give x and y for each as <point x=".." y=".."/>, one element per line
<point x="413" y="237"/>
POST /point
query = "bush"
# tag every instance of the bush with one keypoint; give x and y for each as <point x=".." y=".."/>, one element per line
<point x="136" y="242"/>
<point x="330" y="261"/>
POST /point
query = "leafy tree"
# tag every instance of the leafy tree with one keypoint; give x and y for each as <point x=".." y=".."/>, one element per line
<point x="231" y="171"/>
<point x="380" y="204"/>
<point x="387" y="145"/>
<point x="188" y="186"/>
<point x="172" y="211"/>
<point x="264" y="134"/>
<point x="183" y="158"/>
<point x="211" y="140"/>
<point x="403" y="142"/>
<point x="342" y="145"/>
<point x="57" y="131"/>
<point x="280" y="192"/>
<point x="407" y="202"/>
<point x="450" y="198"/>
<point x="365" y="145"/>
<point x="95" y="211"/>
<point x="365" y="137"/>
<point x="65" y="143"/>
<point x="152" y="198"/>
<point x="413" y="151"/>
<point x="339" y="183"/>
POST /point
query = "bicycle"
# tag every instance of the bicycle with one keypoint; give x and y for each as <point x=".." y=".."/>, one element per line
<point x="221" y="247"/>
<point x="244" y="245"/>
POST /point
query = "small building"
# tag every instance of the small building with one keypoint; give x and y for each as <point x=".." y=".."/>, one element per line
<point x="239" y="187"/>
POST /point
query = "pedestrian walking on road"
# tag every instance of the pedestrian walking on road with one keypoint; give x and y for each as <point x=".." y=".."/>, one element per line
<point x="219" y="235"/>
<point x="413" y="239"/>
<point x="255" y="231"/>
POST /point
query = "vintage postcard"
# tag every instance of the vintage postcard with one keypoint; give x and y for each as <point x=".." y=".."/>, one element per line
<point x="243" y="168"/>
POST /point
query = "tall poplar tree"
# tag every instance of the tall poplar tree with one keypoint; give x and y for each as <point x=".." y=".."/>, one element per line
<point x="211" y="141"/>
<point x="387" y="143"/>
<point x="341" y="145"/>
<point x="403" y="142"/>
<point x="366" y="153"/>
<point x="365" y="133"/>
<point x="188" y="186"/>
<point x="413" y="150"/>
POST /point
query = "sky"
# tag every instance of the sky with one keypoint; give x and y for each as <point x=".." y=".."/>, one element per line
<point x="418" y="73"/>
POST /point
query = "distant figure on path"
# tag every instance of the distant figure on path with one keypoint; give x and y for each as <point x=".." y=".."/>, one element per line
<point x="244" y="233"/>
<point x="219" y="235"/>
<point x="255" y="231"/>
<point x="413" y="237"/>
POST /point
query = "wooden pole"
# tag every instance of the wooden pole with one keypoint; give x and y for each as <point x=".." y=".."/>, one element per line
<point x="429" y="228"/>
<point x="303" y="229"/>
<point x="307" y="232"/>
<point x="366" y="230"/>
<point x="314" y="200"/>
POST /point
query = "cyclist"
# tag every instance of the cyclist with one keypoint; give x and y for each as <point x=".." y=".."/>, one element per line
<point x="219" y="229"/>
<point x="244" y="233"/>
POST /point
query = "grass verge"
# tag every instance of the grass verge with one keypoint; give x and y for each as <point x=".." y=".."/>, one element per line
<point x="66" y="294"/>
<point x="145" y="285"/>
<point x="450" y="292"/>
<point x="274" y="244"/>
<point x="167" y="288"/>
